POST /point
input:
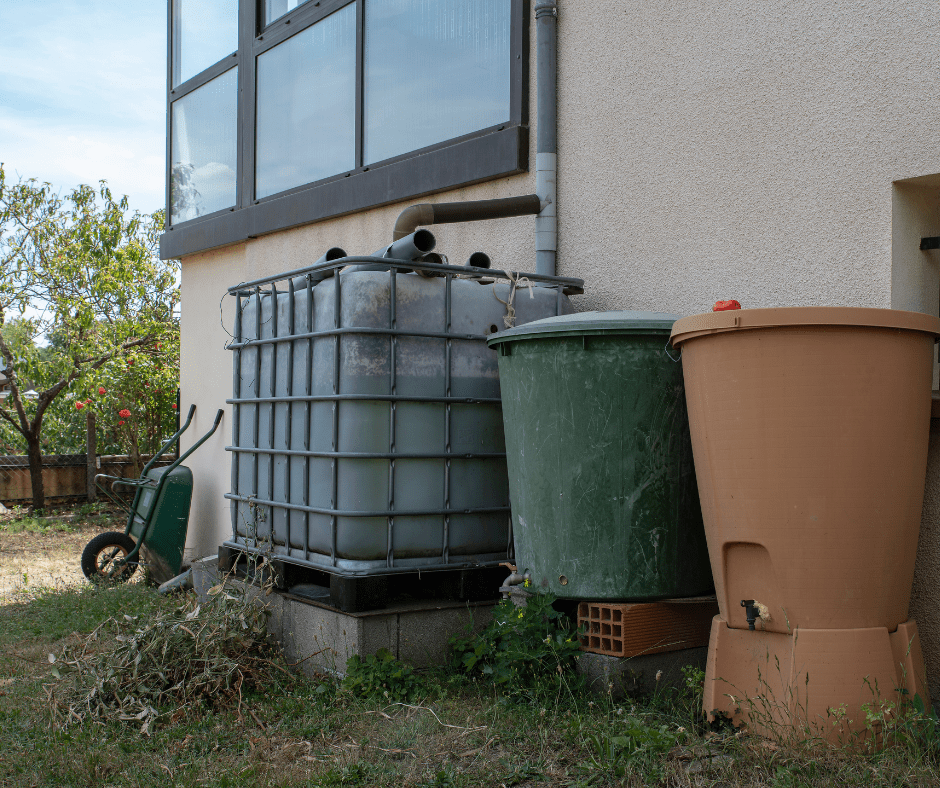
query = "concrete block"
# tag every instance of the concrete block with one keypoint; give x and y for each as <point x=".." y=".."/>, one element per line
<point x="205" y="575"/>
<point x="319" y="639"/>
<point x="423" y="635"/>
<point x="636" y="676"/>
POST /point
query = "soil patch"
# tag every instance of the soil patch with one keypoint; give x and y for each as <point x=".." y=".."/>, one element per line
<point x="44" y="552"/>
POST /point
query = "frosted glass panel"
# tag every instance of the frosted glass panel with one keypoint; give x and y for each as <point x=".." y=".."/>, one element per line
<point x="204" y="153"/>
<point x="306" y="106"/>
<point x="274" y="9"/>
<point x="204" y="31"/>
<point x="434" y="70"/>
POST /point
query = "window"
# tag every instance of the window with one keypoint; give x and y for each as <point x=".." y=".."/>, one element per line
<point x="286" y="112"/>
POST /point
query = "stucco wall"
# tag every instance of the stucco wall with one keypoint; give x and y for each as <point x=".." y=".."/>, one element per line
<point x="753" y="149"/>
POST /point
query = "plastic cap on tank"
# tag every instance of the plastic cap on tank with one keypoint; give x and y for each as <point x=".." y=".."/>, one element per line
<point x="725" y="306"/>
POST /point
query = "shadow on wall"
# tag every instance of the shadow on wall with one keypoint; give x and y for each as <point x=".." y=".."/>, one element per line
<point x="925" y="605"/>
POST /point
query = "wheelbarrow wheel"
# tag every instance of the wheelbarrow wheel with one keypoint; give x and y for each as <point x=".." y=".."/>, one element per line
<point x="101" y="558"/>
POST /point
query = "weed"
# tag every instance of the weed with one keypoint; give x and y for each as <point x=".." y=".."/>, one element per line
<point x="521" y="647"/>
<point x="445" y="778"/>
<point x="381" y="675"/>
<point x="630" y="742"/>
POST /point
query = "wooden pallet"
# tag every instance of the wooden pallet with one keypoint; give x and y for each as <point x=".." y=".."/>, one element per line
<point x="351" y="594"/>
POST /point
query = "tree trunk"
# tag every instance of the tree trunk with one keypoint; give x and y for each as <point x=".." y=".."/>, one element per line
<point x="35" y="471"/>
<point x="91" y="457"/>
<point x="135" y="454"/>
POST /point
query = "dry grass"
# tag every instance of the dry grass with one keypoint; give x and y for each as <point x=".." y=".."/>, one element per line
<point x="44" y="552"/>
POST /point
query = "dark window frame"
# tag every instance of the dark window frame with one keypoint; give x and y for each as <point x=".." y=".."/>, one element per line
<point x="484" y="155"/>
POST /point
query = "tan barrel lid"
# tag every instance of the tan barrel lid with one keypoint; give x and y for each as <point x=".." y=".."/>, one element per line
<point x="742" y="319"/>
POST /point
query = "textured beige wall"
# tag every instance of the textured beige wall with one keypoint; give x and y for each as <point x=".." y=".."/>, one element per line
<point x="772" y="151"/>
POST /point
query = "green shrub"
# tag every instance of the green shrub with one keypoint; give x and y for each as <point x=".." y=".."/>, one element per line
<point x="381" y="675"/>
<point x="521" y="647"/>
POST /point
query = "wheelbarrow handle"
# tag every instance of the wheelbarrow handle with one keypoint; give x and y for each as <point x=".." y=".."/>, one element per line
<point x="197" y="444"/>
<point x="166" y="446"/>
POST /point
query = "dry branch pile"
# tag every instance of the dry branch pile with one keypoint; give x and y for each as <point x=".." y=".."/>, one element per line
<point x="196" y="655"/>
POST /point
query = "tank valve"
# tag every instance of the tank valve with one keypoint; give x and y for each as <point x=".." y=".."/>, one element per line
<point x="750" y="611"/>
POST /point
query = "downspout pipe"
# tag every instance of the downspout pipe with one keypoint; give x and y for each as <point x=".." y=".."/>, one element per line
<point x="546" y="146"/>
<point x="421" y="215"/>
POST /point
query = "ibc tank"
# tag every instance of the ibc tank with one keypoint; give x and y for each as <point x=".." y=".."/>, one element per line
<point x="367" y="425"/>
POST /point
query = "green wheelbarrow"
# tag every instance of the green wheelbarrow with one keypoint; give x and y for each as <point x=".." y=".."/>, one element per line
<point x="157" y="520"/>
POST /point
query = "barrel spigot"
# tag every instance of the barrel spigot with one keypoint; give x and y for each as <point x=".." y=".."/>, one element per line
<point x="750" y="611"/>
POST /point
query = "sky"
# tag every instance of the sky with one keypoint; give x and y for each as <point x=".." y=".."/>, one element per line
<point x="83" y="95"/>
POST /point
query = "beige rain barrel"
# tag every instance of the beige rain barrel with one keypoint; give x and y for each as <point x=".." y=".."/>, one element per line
<point x="809" y="433"/>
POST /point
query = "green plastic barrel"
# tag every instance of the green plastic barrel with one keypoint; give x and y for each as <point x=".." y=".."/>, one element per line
<point x="602" y="487"/>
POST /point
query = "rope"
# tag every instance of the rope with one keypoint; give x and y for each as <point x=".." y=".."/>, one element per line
<point x="516" y="281"/>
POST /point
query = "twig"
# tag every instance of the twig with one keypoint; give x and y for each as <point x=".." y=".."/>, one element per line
<point x="255" y="718"/>
<point x="425" y="708"/>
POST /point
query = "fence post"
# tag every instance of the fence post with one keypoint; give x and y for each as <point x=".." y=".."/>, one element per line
<point x="91" y="464"/>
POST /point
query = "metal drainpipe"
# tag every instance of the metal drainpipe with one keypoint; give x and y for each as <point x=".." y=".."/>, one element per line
<point x="546" y="149"/>
<point x="543" y="202"/>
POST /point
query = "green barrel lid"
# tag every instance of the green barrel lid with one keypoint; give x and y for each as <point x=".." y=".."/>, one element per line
<point x="586" y="323"/>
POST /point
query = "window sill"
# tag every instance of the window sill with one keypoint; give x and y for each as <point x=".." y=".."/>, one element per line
<point x="470" y="161"/>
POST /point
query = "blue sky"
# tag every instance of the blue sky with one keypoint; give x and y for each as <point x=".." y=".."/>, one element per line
<point x="82" y="94"/>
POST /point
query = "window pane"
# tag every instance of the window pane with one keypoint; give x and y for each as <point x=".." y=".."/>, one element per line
<point x="306" y="116"/>
<point x="204" y="31"/>
<point x="274" y="9"/>
<point x="202" y="174"/>
<point x="434" y="69"/>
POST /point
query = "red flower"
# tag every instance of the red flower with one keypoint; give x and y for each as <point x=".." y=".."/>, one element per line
<point x="101" y="390"/>
<point x="173" y="406"/>
<point x="87" y="401"/>
<point x="79" y="405"/>
<point x="130" y="362"/>
<point x="124" y="413"/>
<point x="120" y="423"/>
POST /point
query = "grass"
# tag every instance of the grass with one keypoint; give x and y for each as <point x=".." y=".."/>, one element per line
<point x="446" y="730"/>
<point x="64" y="518"/>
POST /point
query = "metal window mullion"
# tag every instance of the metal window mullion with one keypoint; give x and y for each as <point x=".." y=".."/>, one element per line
<point x="170" y="58"/>
<point x="247" y="66"/>
<point x="309" y="422"/>
<point x="334" y="465"/>
<point x="360" y="86"/>
<point x="448" y="279"/>
<point x="256" y="429"/>
<point x="392" y="349"/>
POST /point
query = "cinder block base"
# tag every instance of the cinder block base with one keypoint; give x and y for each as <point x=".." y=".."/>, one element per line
<point x="636" y="676"/>
<point x="320" y="639"/>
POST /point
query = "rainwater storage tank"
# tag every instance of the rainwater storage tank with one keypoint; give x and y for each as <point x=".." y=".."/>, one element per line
<point x="604" y="499"/>
<point x="368" y="435"/>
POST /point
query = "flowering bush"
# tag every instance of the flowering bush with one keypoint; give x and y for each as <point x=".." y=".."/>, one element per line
<point x="134" y="405"/>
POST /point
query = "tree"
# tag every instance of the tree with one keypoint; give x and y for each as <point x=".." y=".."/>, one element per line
<point x="83" y="275"/>
<point x="134" y="397"/>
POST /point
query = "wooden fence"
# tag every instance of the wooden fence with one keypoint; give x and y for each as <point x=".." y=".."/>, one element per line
<point x="64" y="475"/>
